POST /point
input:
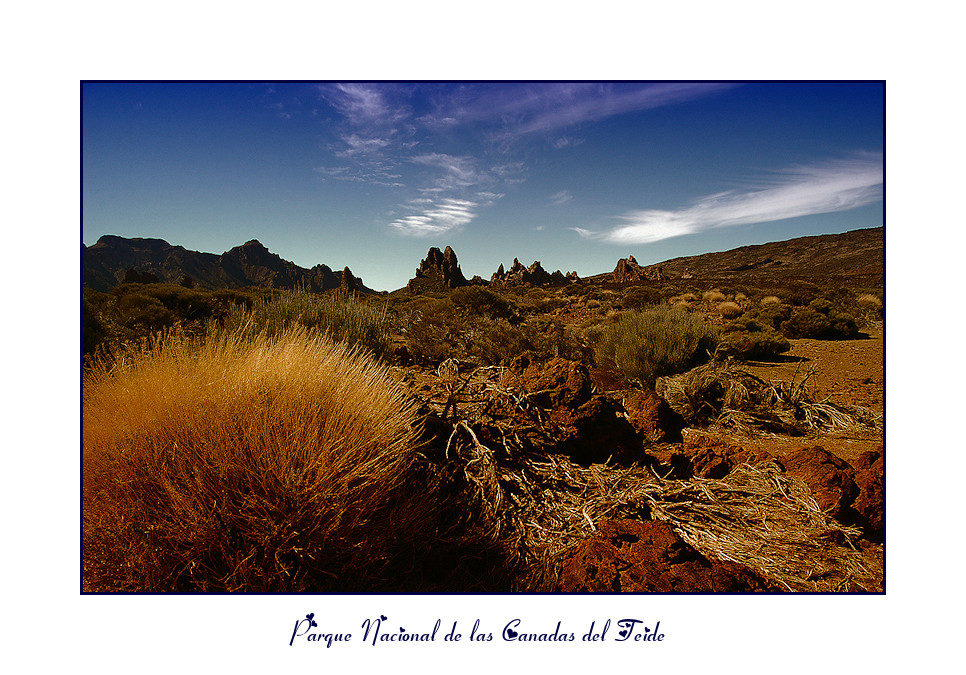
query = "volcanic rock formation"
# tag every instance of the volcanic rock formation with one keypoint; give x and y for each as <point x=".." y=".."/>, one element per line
<point x="534" y="274"/>
<point x="629" y="270"/>
<point x="439" y="269"/>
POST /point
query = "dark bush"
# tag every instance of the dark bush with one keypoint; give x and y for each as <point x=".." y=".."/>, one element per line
<point x="480" y="301"/>
<point x="799" y="293"/>
<point x="820" y="320"/>
<point x="747" y="338"/>
<point x="640" y="297"/>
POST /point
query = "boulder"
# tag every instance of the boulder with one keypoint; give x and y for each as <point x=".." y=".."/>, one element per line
<point x="652" y="417"/>
<point x="868" y="505"/>
<point x="830" y="478"/>
<point x="630" y="556"/>
<point x="553" y="384"/>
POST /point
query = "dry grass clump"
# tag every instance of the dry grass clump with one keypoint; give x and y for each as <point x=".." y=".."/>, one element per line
<point x="713" y="295"/>
<point x="762" y="518"/>
<point x="723" y="394"/>
<point x="730" y="310"/>
<point x="770" y="300"/>
<point x="685" y="299"/>
<point x="870" y="305"/>
<point x="740" y="297"/>
<point x="256" y="464"/>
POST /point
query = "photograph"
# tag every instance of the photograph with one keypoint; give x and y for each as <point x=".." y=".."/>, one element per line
<point x="482" y="338"/>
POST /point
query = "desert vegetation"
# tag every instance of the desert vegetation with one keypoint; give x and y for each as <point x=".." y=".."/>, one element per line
<point x="480" y="438"/>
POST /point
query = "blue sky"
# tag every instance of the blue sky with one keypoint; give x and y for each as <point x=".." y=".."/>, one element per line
<point x="576" y="175"/>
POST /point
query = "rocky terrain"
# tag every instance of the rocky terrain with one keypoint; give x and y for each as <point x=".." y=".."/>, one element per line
<point x="859" y="253"/>
<point x="740" y="472"/>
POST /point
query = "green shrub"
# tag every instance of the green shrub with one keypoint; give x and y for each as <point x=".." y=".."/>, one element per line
<point x="771" y="314"/>
<point x="640" y="297"/>
<point x="747" y="338"/>
<point x="820" y="320"/>
<point x="480" y="301"/>
<point x="800" y="293"/>
<point x="492" y="342"/>
<point x="432" y="330"/>
<point x="660" y="341"/>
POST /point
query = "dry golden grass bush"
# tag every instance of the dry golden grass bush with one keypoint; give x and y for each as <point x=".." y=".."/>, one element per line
<point x="730" y="310"/>
<point x="247" y="464"/>
<point x="870" y="304"/>
<point x="770" y="300"/>
<point x="713" y="295"/>
<point x="740" y="297"/>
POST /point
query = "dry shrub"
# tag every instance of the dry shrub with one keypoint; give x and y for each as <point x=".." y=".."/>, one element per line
<point x="713" y="295"/>
<point x="740" y="297"/>
<point x="869" y="304"/>
<point x="770" y="300"/>
<point x="730" y="310"/>
<point x="255" y="464"/>
<point x="719" y="393"/>
<point x="683" y="299"/>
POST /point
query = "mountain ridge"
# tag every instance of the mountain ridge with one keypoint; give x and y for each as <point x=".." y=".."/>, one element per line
<point x="106" y="262"/>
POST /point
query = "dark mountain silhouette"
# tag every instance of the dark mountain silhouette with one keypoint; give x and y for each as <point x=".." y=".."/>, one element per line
<point x="112" y="258"/>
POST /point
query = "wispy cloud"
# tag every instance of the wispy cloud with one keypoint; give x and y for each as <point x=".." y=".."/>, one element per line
<point x="367" y="105"/>
<point x="434" y="217"/>
<point x="799" y="191"/>
<point x="454" y="172"/>
<point x="560" y="198"/>
<point x="517" y="110"/>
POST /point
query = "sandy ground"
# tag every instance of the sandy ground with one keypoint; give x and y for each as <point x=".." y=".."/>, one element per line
<point x="843" y="372"/>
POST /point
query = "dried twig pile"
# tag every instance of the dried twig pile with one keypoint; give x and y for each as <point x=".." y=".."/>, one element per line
<point x="539" y="505"/>
<point x="720" y="393"/>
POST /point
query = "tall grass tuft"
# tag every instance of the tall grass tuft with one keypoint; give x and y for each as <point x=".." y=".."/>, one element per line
<point x="273" y="463"/>
<point x="661" y="341"/>
<point x="344" y="318"/>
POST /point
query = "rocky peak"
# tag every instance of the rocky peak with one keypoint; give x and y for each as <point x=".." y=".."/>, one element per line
<point x="628" y="270"/>
<point x="347" y="283"/>
<point x="441" y="267"/>
<point x="534" y="274"/>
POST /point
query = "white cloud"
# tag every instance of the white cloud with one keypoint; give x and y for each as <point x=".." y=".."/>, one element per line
<point x="435" y="217"/>
<point x="365" y="105"/>
<point x="359" y="145"/>
<point x="560" y="198"/>
<point x="799" y="191"/>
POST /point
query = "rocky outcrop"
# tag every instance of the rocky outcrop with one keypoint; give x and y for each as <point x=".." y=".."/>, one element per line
<point x="630" y="556"/>
<point x="535" y="275"/>
<point x="347" y="284"/>
<point x="108" y="261"/>
<point x="652" y="417"/>
<point x="868" y="506"/>
<point x="830" y="479"/>
<point x="438" y="270"/>
<point x="628" y="271"/>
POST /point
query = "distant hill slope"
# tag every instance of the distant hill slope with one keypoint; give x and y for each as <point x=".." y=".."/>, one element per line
<point x="251" y="264"/>
<point x="859" y="253"/>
